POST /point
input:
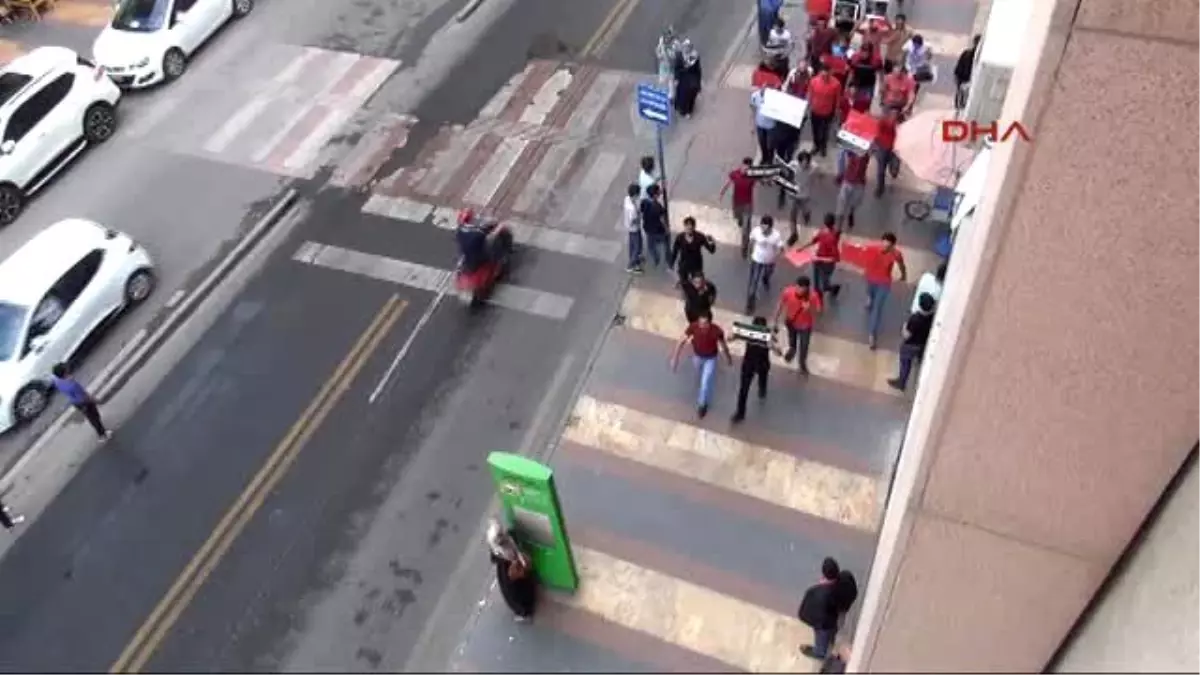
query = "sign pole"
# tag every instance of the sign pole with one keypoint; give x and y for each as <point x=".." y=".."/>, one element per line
<point x="654" y="106"/>
<point x="662" y="172"/>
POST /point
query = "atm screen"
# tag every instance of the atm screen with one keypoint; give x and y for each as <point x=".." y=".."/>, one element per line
<point x="533" y="527"/>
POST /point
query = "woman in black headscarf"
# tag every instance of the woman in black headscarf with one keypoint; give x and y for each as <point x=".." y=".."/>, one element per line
<point x="514" y="573"/>
<point x="687" y="78"/>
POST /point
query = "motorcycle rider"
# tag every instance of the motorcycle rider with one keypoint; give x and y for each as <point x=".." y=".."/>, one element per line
<point x="475" y="240"/>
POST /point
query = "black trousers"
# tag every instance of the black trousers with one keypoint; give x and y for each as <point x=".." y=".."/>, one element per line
<point x="92" y="414"/>
<point x="5" y="519"/>
<point x="766" y="144"/>
<point x="820" y="133"/>
<point x="749" y="373"/>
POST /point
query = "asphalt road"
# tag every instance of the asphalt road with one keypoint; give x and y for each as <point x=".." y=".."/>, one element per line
<point x="365" y="508"/>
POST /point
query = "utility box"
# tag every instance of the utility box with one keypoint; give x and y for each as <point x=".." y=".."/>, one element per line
<point x="1005" y="37"/>
<point x="531" y="508"/>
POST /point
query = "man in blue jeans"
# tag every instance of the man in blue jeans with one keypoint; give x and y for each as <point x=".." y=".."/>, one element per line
<point x="914" y="339"/>
<point x="708" y="343"/>
<point x="654" y="224"/>
<point x="821" y="609"/>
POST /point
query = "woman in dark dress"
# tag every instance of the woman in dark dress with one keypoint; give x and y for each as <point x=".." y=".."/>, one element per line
<point x="687" y="78"/>
<point x="514" y="574"/>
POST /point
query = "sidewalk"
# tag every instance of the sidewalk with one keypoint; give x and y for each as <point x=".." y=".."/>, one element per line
<point x="695" y="539"/>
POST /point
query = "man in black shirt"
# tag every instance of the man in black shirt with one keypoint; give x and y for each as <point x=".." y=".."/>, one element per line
<point x="914" y="338"/>
<point x="820" y="610"/>
<point x="699" y="295"/>
<point x="962" y="73"/>
<point x="756" y="362"/>
<point x="654" y="223"/>
<point x="687" y="253"/>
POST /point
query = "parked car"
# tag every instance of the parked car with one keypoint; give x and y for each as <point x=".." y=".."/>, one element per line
<point x="63" y="286"/>
<point x="150" y="41"/>
<point x="53" y="104"/>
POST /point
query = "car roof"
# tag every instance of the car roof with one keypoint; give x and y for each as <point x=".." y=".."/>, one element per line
<point x="31" y="270"/>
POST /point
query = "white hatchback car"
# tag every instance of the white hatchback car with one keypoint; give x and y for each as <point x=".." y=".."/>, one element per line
<point x="150" y="41"/>
<point x="59" y="289"/>
<point x="53" y="104"/>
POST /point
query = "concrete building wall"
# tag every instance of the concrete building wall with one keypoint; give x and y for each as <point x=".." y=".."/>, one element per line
<point x="1060" y="395"/>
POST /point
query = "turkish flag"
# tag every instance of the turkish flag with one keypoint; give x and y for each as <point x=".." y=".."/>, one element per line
<point x="799" y="258"/>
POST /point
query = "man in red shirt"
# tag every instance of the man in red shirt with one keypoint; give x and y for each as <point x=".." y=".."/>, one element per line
<point x="828" y="241"/>
<point x="885" y="158"/>
<point x="820" y="42"/>
<point x="708" y="342"/>
<point x="799" y="304"/>
<point x="852" y="177"/>
<point x="880" y="261"/>
<point x="899" y="89"/>
<point x="743" y="200"/>
<point x="824" y="91"/>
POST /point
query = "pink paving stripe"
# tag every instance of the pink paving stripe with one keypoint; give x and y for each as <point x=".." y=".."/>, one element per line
<point x="538" y="75"/>
<point x="359" y="71"/>
<point x="309" y="123"/>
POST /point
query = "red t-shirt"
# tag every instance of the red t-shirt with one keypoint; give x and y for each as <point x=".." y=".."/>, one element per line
<point x="823" y="94"/>
<point x="743" y="187"/>
<point x="880" y="262"/>
<point x="856" y="169"/>
<point x="801" y="306"/>
<point x="706" y="339"/>
<point x="898" y="89"/>
<point x="828" y="244"/>
<point x="886" y="138"/>
<point x="822" y="39"/>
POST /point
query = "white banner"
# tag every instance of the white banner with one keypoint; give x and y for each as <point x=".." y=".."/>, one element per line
<point x="784" y="107"/>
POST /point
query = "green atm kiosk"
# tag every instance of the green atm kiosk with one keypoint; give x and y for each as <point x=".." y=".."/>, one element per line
<point x="530" y="504"/>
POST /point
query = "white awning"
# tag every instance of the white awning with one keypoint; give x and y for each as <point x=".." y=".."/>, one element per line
<point x="970" y="188"/>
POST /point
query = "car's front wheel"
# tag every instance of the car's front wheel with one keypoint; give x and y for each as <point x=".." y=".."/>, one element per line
<point x="99" y="122"/>
<point x="174" y="64"/>
<point x="30" y="402"/>
<point x="139" y="286"/>
<point x="242" y="7"/>
<point x="12" y="202"/>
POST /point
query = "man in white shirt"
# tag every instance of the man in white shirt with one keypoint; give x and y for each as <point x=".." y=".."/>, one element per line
<point x="931" y="283"/>
<point x="765" y="246"/>
<point x="631" y="218"/>
<point x="647" y="176"/>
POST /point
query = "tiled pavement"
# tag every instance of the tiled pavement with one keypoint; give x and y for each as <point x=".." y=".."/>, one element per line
<point x="696" y="538"/>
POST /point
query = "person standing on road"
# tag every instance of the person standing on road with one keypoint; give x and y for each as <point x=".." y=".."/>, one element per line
<point x="654" y="224"/>
<point x="765" y="246"/>
<point x="768" y="11"/>
<point x="79" y="397"/>
<point x="514" y="571"/>
<point x="756" y="364"/>
<point x="930" y="283"/>
<point x="708" y="342"/>
<point x="886" y="161"/>
<point x="764" y="127"/>
<point x="799" y="305"/>
<point x="687" y="252"/>
<point x="699" y="297"/>
<point x="828" y="243"/>
<point x="631" y="217"/>
<point x="819" y="610"/>
<point x="743" y="200"/>
<point x="913" y="339"/>
<point x="852" y="184"/>
<point x="880" y="261"/>
<point x="824" y="92"/>
<point x="8" y="519"/>
<point x="647" y="175"/>
<point x="962" y="73"/>
<point x="688" y="79"/>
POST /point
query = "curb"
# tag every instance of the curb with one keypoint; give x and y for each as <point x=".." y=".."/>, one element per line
<point x="466" y="12"/>
<point x="145" y="343"/>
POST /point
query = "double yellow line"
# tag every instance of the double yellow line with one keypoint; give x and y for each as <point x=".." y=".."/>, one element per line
<point x="603" y="38"/>
<point x="156" y="627"/>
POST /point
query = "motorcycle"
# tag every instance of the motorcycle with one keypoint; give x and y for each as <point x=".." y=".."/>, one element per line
<point x="474" y="287"/>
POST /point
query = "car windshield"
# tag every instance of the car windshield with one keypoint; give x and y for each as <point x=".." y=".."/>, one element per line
<point x="12" y="320"/>
<point x="143" y="16"/>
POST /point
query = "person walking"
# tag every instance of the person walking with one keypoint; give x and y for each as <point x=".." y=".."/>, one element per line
<point x="764" y="127"/>
<point x="824" y="91"/>
<point x="631" y="217"/>
<point x="801" y="193"/>
<point x="756" y="364"/>
<point x="899" y="90"/>
<point x="688" y="78"/>
<point x="962" y="73"/>
<point x="852" y="185"/>
<point x="819" y="610"/>
<point x="886" y="161"/>
<point x="897" y="36"/>
<point x="799" y="305"/>
<point x="654" y="224"/>
<point x="768" y="11"/>
<point x="687" y="251"/>
<point x="780" y="44"/>
<point x="765" y="246"/>
<point x="79" y="397"/>
<point x="930" y="283"/>
<point x="913" y="339"/>
<point x="743" y="200"/>
<point x="828" y="243"/>
<point x="699" y="297"/>
<point x="8" y="519"/>
<point x="708" y="343"/>
<point x="514" y="571"/>
<point x="880" y="262"/>
<point x="918" y="59"/>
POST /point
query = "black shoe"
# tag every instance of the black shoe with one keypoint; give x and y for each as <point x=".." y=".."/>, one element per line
<point x="702" y="411"/>
<point x="834" y="290"/>
<point x="737" y="417"/>
<point x="789" y="356"/>
<point x="804" y="372"/>
<point x="811" y="653"/>
<point x="895" y="384"/>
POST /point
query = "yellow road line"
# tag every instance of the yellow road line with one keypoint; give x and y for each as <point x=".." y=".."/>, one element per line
<point x="829" y="357"/>
<point x="148" y="637"/>
<point x="822" y="491"/>
<point x="611" y="25"/>
<point x="696" y="618"/>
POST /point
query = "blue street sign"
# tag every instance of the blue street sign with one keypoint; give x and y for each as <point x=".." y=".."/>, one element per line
<point x="654" y="104"/>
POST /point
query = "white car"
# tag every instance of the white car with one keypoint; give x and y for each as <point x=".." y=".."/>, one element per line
<point x="150" y="41"/>
<point x="59" y="289"/>
<point x="53" y="104"/>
